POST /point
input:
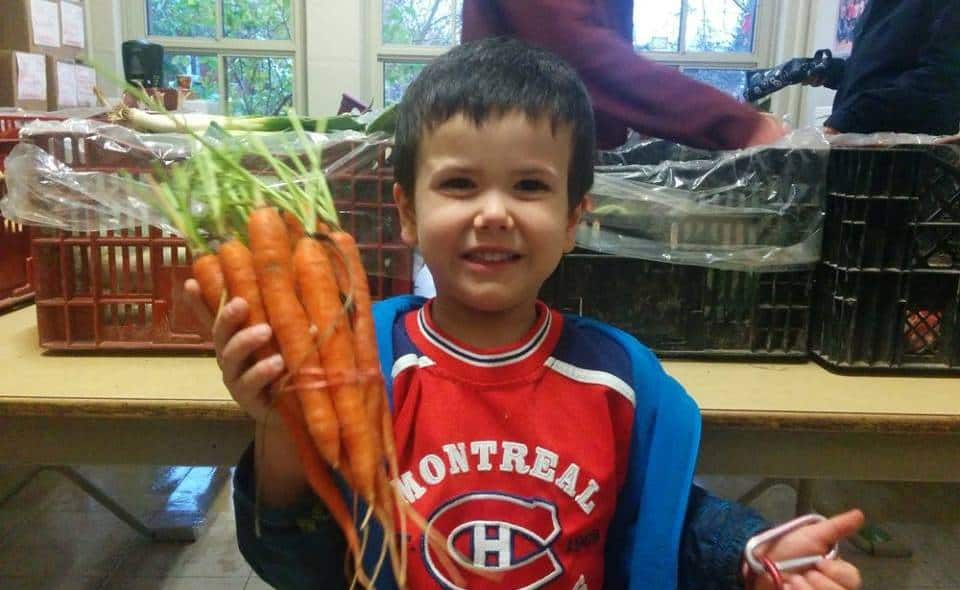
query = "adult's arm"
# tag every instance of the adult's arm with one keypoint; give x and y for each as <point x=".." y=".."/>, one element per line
<point x="626" y="88"/>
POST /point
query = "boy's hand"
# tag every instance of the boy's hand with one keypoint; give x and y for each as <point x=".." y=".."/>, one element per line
<point x="816" y="539"/>
<point x="246" y="380"/>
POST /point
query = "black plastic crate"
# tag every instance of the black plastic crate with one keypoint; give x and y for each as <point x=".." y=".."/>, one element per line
<point x="888" y="289"/>
<point x="689" y="311"/>
<point x="887" y="320"/>
<point x="893" y="209"/>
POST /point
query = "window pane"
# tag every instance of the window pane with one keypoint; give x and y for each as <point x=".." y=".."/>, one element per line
<point x="202" y="68"/>
<point x="181" y="18"/>
<point x="257" y="19"/>
<point x="656" y="25"/>
<point x="721" y="25"/>
<point x="732" y="82"/>
<point x="422" y="22"/>
<point x="396" y="78"/>
<point x="259" y="85"/>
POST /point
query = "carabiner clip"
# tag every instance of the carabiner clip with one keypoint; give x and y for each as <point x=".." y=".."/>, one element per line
<point x="776" y="533"/>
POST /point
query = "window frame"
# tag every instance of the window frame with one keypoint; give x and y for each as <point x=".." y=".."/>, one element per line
<point x="390" y="52"/>
<point x="135" y="27"/>
<point x="764" y="44"/>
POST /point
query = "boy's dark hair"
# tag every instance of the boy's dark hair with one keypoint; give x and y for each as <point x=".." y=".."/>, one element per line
<point x="489" y="78"/>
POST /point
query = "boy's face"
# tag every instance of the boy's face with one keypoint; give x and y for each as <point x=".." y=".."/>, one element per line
<point x="490" y="211"/>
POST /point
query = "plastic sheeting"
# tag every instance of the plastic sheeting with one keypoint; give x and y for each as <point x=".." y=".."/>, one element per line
<point x="87" y="176"/>
<point x="753" y="209"/>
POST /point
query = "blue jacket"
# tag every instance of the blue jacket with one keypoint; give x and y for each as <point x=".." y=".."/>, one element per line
<point x="669" y="535"/>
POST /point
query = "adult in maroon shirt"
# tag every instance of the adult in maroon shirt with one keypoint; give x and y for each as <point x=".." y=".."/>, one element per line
<point x="596" y="38"/>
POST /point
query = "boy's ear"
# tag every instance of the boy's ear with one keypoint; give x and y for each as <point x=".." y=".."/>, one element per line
<point x="570" y="239"/>
<point x="408" y="217"/>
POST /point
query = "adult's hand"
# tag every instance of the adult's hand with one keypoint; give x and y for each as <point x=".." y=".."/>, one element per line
<point x="769" y="130"/>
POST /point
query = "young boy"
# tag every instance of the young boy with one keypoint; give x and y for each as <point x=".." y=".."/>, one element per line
<point x="550" y="449"/>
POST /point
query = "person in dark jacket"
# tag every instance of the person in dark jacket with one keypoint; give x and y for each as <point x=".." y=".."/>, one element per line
<point x="628" y="91"/>
<point x="903" y="73"/>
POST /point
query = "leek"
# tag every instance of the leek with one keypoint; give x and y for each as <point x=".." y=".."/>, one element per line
<point x="199" y="122"/>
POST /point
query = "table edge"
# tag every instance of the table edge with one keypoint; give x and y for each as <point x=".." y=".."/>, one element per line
<point x="832" y="422"/>
<point x="712" y="419"/>
<point x="120" y="409"/>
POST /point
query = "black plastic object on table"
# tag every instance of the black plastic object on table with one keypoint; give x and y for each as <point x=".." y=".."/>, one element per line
<point x="143" y="63"/>
<point x="762" y="83"/>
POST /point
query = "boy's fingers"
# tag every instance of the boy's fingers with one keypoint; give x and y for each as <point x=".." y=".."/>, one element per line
<point x="820" y="581"/>
<point x="234" y="355"/>
<point x="836" y="528"/>
<point x="259" y="376"/>
<point x="229" y="320"/>
<point x="843" y="572"/>
<point x="796" y="582"/>
<point x="194" y="301"/>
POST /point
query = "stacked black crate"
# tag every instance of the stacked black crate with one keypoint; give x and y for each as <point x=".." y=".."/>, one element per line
<point x="888" y="287"/>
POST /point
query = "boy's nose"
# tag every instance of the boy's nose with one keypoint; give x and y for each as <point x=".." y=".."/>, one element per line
<point x="494" y="212"/>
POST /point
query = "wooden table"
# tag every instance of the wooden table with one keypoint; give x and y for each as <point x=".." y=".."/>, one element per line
<point x="784" y="420"/>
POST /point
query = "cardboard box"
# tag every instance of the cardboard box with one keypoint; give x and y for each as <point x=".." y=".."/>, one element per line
<point x="23" y="80"/>
<point x="61" y="83"/>
<point x="72" y="25"/>
<point x="33" y="26"/>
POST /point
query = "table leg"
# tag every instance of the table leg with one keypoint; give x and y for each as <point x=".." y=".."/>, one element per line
<point x="164" y="526"/>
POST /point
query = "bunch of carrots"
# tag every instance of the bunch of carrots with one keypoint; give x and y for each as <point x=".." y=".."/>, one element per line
<point x="280" y="247"/>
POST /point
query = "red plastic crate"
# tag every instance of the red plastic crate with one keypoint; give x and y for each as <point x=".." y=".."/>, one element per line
<point x="16" y="286"/>
<point x="9" y="129"/>
<point x="122" y="290"/>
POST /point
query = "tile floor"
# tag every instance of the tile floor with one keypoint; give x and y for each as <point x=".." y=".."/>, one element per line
<point x="53" y="536"/>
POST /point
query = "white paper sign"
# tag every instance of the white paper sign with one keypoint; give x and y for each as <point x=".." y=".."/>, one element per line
<point x="71" y="15"/>
<point x="45" y="18"/>
<point x="31" y="76"/>
<point x="86" y="80"/>
<point x="66" y="85"/>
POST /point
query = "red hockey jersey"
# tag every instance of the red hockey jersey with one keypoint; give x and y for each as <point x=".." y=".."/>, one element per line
<point x="514" y="456"/>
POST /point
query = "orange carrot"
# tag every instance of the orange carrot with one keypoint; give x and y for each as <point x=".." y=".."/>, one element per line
<point x="321" y="298"/>
<point x="207" y="272"/>
<point x="272" y="259"/>
<point x="351" y="274"/>
<point x="318" y="475"/>
<point x="294" y="227"/>
<point x="238" y="270"/>
<point x="348" y="267"/>
<point x="365" y="348"/>
<point x="236" y="260"/>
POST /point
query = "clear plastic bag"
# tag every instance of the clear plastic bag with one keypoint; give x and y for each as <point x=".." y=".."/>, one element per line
<point x="754" y="209"/>
<point x="43" y="191"/>
<point x="86" y="143"/>
<point x="103" y="189"/>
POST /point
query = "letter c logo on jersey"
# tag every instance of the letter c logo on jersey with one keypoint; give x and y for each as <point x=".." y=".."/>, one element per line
<point x="515" y="548"/>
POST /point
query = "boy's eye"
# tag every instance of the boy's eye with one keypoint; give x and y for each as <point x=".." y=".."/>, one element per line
<point x="457" y="184"/>
<point x="532" y="185"/>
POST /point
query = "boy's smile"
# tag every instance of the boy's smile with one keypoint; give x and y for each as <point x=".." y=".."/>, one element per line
<point x="491" y="216"/>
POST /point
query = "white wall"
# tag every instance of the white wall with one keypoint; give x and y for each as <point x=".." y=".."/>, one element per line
<point x="335" y="58"/>
<point x="103" y="40"/>
<point x="789" y="41"/>
<point x="817" y="102"/>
